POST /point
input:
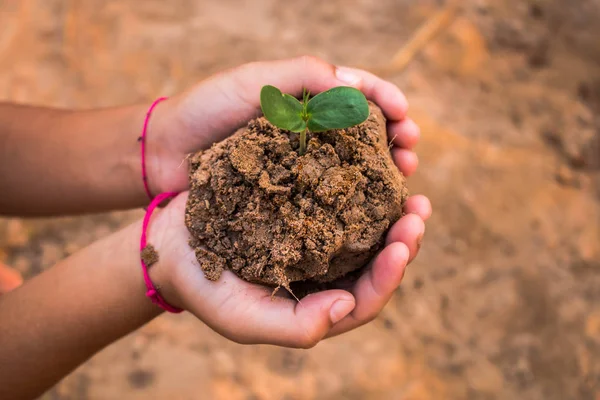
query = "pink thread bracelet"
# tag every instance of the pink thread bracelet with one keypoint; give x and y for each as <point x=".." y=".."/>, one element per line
<point x="152" y="292"/>
<point x="143" y="145"/>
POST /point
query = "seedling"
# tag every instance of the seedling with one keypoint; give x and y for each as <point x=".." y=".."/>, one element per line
<point x="337" y="108"/>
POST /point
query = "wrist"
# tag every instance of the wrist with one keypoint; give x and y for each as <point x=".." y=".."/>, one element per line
<point x="166" y="250"/>
<point x="119" y="280"/>
<point x="130" y="271"/>
<point x="124" y="248"/>
<point x="163" y="158"/>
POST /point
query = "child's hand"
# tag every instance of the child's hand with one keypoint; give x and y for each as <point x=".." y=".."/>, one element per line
<point x="245" y="313"/>
<point x="216" y="107"/>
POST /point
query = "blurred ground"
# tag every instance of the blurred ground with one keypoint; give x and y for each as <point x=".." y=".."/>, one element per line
<point x="504" y="301"/>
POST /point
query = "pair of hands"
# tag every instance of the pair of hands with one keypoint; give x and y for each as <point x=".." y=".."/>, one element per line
<point x="238" y="310"/>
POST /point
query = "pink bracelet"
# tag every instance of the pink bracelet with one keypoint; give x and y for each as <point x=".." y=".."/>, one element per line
<point x="152" y="291"/>
<point x="142" y="140"/>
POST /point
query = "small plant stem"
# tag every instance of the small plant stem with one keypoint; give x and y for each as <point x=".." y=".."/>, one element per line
<point x="302" y="149"/>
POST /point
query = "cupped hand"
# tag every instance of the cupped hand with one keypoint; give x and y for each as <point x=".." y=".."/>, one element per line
<point x="247" y="313"/>
<point x="217" y="106"/>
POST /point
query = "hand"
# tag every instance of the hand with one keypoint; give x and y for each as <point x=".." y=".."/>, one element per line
<point x="245" y="313"/>
<point x="216" y="107"/>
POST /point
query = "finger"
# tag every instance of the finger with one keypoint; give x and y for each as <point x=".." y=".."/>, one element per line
<point x="384" y="93"/>
<point x="238" y="92"/>
<point x="406" y="160"/>
<point x="419" y="205"/>
<point x="404" y="134"/>
<point x="409" y="230"/>
<point x="374" y="289"/>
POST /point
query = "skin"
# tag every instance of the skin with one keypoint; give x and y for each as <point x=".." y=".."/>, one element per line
<point x="89" y="161"/>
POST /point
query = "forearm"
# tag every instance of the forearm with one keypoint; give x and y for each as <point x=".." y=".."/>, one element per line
<point x="62" y="317"/>
<point x="56" y="162"/>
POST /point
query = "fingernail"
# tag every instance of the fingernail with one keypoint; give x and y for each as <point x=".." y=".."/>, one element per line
<point x="340" y="309"/>
<point x="346" y="75"/>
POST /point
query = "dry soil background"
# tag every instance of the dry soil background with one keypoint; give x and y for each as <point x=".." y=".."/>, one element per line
<point x="504" y="301"/>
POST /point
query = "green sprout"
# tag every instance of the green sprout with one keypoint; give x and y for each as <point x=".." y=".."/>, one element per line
<point x="337" y="108"/>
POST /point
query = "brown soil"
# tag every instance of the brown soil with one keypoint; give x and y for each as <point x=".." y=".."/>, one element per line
<point x="273" y="217"/>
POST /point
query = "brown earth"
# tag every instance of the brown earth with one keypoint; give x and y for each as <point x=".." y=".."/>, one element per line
<point x="273" y="217"/>
<point x="503" y="301"/>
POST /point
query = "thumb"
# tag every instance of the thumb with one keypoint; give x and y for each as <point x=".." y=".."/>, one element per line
<point x="246" y="313"/>
<point x="301" y="324"/>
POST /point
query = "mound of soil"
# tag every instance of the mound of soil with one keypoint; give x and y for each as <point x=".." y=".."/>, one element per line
<point x="273" y="217"/>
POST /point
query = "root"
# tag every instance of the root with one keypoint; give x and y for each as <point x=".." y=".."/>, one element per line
<point x="186" y="158"/>
<point x="286" y="286"/>
<point x="391" y="143"/>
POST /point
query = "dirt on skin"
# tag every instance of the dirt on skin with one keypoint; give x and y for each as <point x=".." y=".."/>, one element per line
<point x="273" y="217"/>
<point x="149" y="255"/>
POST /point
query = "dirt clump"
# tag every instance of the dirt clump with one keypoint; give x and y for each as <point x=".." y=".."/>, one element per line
<point x="273" y="217"/>
<point x="149" y="255"/>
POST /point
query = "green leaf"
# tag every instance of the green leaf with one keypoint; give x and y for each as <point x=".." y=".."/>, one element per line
<point x="337" y="108"/>
<point x="282" y="110"/>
